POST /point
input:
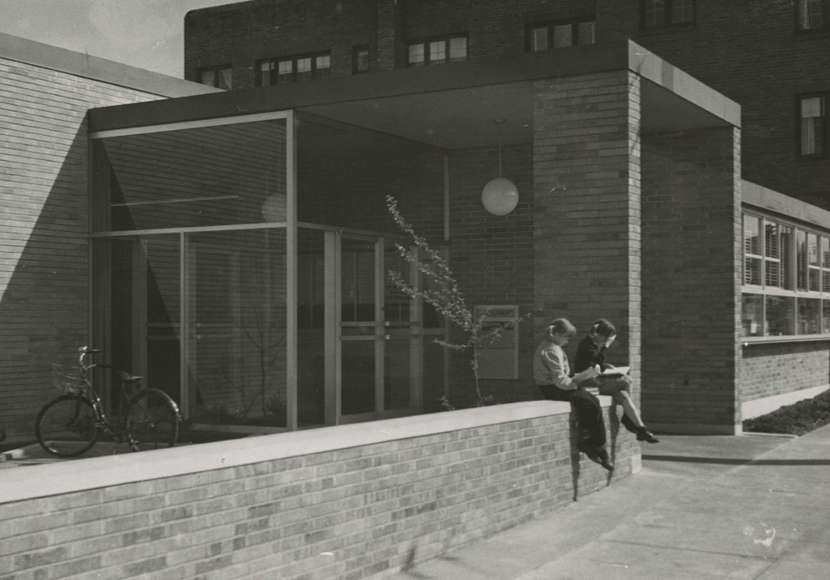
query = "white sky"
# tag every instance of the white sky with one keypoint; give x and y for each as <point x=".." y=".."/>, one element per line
<point x="145" y="33"/>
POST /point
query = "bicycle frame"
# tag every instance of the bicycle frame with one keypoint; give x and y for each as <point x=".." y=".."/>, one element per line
<point x="113" y="428"/>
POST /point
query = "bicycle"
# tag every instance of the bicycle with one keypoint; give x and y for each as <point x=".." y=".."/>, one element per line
<point x="72" y="423"/>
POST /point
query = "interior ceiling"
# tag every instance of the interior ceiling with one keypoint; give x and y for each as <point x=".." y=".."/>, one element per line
<point x="466" y="118"/>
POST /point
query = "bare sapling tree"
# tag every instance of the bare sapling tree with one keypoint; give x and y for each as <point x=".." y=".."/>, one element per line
<point x="442" y="292"/>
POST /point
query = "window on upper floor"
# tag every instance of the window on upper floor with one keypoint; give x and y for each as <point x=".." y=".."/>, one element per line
<point x="560" y="34"/>
<point x="217" y="76"/>
<point x="786" y="282"/>
<point x="663" y="13"/>
<point x="360" y="59"/>
<point x="291" y="69"/>
<point x="812" y="14"/>
<point x="438" y="50"/>
<point x="812" y="128"/>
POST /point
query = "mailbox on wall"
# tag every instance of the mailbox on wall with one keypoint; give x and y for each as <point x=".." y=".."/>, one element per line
<point x="499" y="358"/>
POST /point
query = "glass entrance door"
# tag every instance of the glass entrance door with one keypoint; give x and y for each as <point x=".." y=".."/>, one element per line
<point x="378" y="354"/>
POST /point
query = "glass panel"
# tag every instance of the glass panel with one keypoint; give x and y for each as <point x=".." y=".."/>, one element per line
<point x="265" y="69"/>
<point x="194" y="177"/>
<point x="358" y="382"/>
<point x="539" y="39"/>
<point x="825" y="316"/>
<point x="683" y="11"/>
<point x="237" y="321"/>
<point x="458" y="49"/>
<point x="433" y="365"/>
<point x="809" y="316"/>
<point x="285" y="71"/>
<point x="344" y="177"/>
<point x="586" y="33"/>
<point x="752" y="240"/>
<point x="780" y="316"/>
<point x="225" y="79"/>
<point x="361" y="60"/>
<point x="787" y="243"/>
<point x="772" y="271"/>
<point x="304" y="69"/>
<point x="812" y="126"/>
<point x="396" y="307"/>
<point x="752" y="312"/>
<point x="311" y="353"/>
<point x="398" y="376"/>
<point x="357" y="271"/>
<point x="801" y="259"/>
<point x="322" y="65"/>
<point x="208" y="77"/>
<point x="163" y="308"/>
<point x="752" y="271"/>
<point x="562" y="35"/>
<point x="438" y="52"/>
<point x="400" y="346"/>
<point x="772" y="251"/>
<point x="416" y="54"/>
<point x="810" y="14"/>
<point x="655" y="12"/>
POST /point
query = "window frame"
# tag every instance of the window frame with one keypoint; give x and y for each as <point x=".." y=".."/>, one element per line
<point x="825" y="9"/>
<point x="825" y="125"/>
<point x="216" y="69"/>
<point x="426" y="41"/>
<point x="356" y="52"/>
<point x="550" y="25"/>
<point x="792" y="267"/>
<point x="293" y="58"/>
<point x="668" y="16"/>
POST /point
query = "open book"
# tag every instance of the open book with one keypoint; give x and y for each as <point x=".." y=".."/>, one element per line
<point x="615" y="372"/>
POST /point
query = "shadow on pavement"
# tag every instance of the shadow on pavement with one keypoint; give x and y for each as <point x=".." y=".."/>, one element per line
<point x="720" y="461"/>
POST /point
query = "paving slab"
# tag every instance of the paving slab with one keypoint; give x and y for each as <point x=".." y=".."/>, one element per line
<point x="702" y="508"/>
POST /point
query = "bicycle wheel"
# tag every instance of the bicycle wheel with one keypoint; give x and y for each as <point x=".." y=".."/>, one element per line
<point x="67" y="426"/>
<point x="152" y="421"/>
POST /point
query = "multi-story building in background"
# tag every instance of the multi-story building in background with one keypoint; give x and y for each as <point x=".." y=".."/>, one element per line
<point x="770" y="56"/>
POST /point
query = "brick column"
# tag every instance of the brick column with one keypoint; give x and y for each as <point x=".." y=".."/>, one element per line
<point x="691" y="280"/>
<point x="587" y="197"/>
<point x="389" y="35"/>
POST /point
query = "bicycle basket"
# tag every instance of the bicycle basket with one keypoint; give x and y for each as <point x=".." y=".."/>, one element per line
<point x="66" y="378"/>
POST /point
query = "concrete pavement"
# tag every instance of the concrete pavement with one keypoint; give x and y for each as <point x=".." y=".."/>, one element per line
<point x="702" y="508"/>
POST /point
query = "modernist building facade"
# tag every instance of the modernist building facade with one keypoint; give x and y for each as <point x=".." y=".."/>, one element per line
<point x="234" y="247"/>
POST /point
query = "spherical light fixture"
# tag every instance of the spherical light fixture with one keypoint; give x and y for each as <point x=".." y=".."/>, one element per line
<point x="500" y="195"/>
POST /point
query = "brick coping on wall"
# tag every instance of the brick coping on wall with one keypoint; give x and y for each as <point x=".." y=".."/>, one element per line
<point x="98" y="472"/>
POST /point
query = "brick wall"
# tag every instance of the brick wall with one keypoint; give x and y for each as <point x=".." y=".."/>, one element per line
<point x="587" y="196"/>
<point x="43" y="228"/>
<point x="492" y="258"/>
<point x="348" y="502"/>
<point x="751" y="54"/>
<point x="768" y="370"/>
<point x="45" y="94"/>
<point x="691" y="279"/>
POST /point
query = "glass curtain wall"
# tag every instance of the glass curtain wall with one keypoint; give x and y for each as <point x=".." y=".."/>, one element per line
<point x="190" y="266"/>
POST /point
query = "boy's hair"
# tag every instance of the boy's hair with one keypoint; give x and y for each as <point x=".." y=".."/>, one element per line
<point x="562" y="327"/>
<point x="604" y="327"/>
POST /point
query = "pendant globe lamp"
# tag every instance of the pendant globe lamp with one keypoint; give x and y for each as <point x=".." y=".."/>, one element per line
<point x="500" y="195"/>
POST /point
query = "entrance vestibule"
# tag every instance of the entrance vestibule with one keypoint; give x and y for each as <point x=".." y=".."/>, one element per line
<point x="206" y="283"/>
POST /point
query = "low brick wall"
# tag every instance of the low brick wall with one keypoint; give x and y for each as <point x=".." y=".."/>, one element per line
<point x="343" y="502"/>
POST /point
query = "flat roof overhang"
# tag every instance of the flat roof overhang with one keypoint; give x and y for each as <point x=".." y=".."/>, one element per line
<point x="452" y="106"/>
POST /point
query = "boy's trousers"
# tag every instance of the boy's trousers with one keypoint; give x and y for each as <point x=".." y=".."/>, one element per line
<point x="588" y="413"/>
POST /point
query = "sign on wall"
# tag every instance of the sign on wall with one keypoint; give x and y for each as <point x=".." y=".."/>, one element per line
<point x="499" y="358"/>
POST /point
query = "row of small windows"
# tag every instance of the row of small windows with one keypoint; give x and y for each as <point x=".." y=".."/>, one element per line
<point x="811" y="15"/>
<point x="786" y="279"/>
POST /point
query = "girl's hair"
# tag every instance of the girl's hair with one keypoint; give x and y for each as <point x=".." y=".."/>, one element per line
<point x="604" y="327"/>
<point x="562" y="327"/>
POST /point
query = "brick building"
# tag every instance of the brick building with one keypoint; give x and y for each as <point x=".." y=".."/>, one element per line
<point x="239" y="241"/>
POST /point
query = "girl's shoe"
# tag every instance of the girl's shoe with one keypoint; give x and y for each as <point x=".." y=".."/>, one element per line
<point x="644" y="434"/>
